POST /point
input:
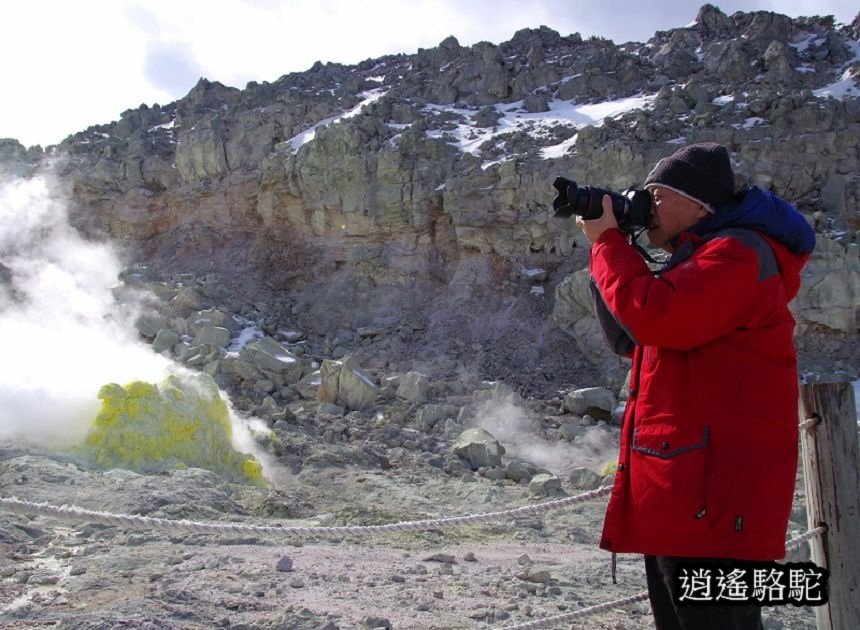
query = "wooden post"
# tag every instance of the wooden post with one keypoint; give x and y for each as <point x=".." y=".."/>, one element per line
<point x="831" y="468"/>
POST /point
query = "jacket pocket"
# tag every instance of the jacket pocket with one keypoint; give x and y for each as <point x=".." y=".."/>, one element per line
<point x="668" y="469"/>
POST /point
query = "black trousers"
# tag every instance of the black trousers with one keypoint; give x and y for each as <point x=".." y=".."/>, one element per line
<point x="660" y="572"/>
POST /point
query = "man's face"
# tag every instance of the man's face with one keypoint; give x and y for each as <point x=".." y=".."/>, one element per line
<point x="672" y="213"/>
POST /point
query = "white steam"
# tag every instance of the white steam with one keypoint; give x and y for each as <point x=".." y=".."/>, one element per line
<point x="61" y="334"/>
<point x="523" y="439"/>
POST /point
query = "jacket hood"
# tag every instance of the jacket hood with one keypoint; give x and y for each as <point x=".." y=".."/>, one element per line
<point x="761" y="210"/>
<point x="777" y="220"/>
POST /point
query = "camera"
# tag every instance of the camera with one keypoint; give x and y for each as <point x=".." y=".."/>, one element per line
<point x="632" y="209"/>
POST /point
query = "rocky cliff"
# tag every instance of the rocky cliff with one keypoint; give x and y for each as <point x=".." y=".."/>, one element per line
<point x="417" y="187"/>
<point x="363" y="259"/>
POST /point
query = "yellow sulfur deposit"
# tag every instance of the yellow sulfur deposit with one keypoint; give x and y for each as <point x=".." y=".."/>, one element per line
<point x="182" y="423"/>
<point x="609" y="468"/>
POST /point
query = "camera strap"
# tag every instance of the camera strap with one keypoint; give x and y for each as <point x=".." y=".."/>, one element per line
<point x="634" y="241"/>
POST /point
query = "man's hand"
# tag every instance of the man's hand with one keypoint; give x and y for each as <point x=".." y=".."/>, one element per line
<point x="595" y="227"/>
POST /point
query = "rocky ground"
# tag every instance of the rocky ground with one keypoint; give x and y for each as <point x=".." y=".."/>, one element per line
<point x="333" y="465"/>
<point x="368" y="321"/>
<point x="85" y="575"/>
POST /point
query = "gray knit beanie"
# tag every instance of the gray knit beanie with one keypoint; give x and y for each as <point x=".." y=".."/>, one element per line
<point x="701" y="172"/>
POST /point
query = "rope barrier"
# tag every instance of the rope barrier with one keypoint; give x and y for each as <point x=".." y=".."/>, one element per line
<point x="17" y="506"/>
<point x="73" y="513"/>
<point x="582" y="612"/>
<point x="809" y="423"/>
<point x="796" y="542"/>
<point x="548" y="622"/>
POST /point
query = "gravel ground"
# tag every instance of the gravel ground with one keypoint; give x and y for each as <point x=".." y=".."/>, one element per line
<point x="88" y="575"/>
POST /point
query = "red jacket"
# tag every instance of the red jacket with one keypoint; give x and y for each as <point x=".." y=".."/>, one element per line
<point x="709" y="437"/>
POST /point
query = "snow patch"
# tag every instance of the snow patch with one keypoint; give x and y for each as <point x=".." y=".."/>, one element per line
<point x="469" y="138"/>
<point x="167" y="125"/>
<point x="749" y="123"/>
<point x="246" y="336"/>
<point x="845" y="87"/>
<point x="530" y="273"/>
<point x="371" y="96"/>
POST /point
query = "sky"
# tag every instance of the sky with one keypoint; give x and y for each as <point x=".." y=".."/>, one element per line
<point x="68" y="65"/>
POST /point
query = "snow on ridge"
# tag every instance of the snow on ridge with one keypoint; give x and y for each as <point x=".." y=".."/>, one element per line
<point x="846" y="86"/>
<point x="167" y="125"/>
<point x="307" y="135"/>
<point x="559" y="150"/>
<point x="803" y="44"/>
<point x="469" y="138"/>
<point x="514" y="118"/>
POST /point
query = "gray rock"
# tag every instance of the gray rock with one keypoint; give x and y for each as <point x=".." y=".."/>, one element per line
<point x="596" y="401"/>
<point x="216" y="317"/>
<point x="430" y="415"/>
<point x="518" y="470"/>
<point x="570" y="431"/>
<point x="149" y="324"/>
<point x="584" y="479"/>
<point x="413" y="387"/>
<point x="479" y="448"/>
<point x="165" y="340"/>
<point x="240" y="369"/>
<point x="329" y="380"/>
<point x="830" y="293"/>
<point x="534" y="104"/>
<point x="212" y="336"/>
<point x="452" y="427"/>
<point x="544" y="484"/>
<point x="537" y="576"/>
<point x="186" y="300"/>
<point x="356" y="388"/>
<point x="375" y="623"/>
<point x="308" y="386"/>
<point x="331" y="409"/>
<point x="139" y="274"/>
<point x="268" y="355"/>
<point x="370" y="331"/>
<point x="200" y="356"/>
<point x="494" y="474"/>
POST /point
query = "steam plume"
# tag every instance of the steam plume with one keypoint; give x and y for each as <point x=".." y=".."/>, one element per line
<point x="521" y="436"/>
<point x="61" y="333"/>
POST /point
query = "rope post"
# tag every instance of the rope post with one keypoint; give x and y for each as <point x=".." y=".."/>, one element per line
<point x="831" y="467"/>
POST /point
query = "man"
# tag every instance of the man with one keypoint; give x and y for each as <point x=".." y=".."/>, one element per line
<point x="709" y="436"/>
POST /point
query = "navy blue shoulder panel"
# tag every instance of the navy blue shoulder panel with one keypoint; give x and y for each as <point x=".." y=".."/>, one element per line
<point x="767" y="264"/>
